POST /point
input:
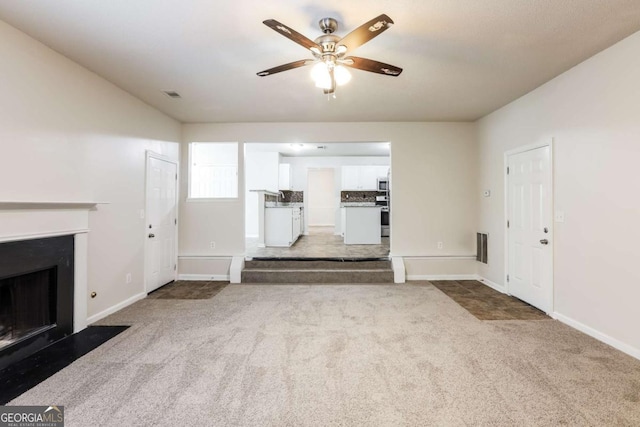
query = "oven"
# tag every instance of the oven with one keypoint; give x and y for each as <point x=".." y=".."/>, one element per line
<point x="384" y="222"/>
<point x="383" y="201"/>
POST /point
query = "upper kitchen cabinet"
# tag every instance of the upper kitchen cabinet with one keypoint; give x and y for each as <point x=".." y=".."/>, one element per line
<point x="262" y="170"/>
<point x="351" y="177"/>
<point x="284" y="177"/>
<point x="362" y="177"/>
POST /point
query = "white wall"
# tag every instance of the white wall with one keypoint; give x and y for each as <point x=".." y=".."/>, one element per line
<point x="261" y="173"/>
<point x="67" y="134"/>
<point x="592" y="112"/>
<point x="434" y="192"/>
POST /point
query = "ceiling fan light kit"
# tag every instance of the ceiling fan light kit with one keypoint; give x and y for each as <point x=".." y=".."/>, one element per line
<point x="329" y="52"/>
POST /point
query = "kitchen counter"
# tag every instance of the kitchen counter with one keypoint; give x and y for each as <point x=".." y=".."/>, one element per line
<point x="282" y="224"/>
<point x="361" y="224"/>
<point x="283" y="205"/>
<point x="358" y="205"/>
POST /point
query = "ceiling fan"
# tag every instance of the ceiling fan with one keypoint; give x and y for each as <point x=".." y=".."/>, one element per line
<point x="330" y="50"/>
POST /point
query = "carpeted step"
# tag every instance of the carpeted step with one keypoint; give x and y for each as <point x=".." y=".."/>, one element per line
<point x="317" y="271"/>
<point x="317" y="264"/>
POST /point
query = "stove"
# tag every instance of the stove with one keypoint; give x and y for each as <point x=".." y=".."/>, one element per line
<point x="384" y="215"/>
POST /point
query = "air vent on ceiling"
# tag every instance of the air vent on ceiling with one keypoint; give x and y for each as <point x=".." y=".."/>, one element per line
<point x="172" y="94"/>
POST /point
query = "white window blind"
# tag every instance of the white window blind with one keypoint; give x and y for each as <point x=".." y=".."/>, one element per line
<point x="213" y="170"/>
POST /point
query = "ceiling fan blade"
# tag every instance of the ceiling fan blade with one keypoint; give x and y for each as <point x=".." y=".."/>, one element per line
<point x="285" y="67"/>
<point x="371" y="65"/>
<point x="292" y="34"/>
<point x="366" y="32"/>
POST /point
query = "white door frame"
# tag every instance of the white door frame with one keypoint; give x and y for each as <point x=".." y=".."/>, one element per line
<point x="507" y="154"/>
<point x="148" y="156"/>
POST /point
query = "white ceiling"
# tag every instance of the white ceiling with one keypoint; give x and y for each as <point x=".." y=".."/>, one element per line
<point x="377" y="149"/>
<point x="462" y="59"/>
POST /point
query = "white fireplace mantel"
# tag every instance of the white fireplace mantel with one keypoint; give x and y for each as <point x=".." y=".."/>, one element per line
<point x="27" y="220"/>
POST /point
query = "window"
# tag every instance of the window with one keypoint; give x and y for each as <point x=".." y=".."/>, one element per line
<point x="213" y="170"/>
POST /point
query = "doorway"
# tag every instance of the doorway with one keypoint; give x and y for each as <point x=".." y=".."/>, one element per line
<point x="161" y="221"/>
<point x="529" y="236"/>
<point x="322" y="203"/>
<point x="316" y="180"/>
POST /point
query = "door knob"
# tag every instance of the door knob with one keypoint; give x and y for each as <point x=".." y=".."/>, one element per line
<point x="544" y="241"/>
<point x="151" y="235"/>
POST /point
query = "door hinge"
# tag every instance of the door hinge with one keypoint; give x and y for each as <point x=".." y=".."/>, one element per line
<point x="507" y="223"/>
<point x="507" y="277"/>
<point x="176" y="177"/>
<point x="175" y="267"/>
<point x="507" y="170"/>
<point x="175" y="221"/>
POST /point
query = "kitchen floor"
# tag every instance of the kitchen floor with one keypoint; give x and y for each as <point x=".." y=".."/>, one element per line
<point x="320" y="243"/>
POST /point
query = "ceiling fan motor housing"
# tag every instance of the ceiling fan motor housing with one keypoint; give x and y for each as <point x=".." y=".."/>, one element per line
<point x="328" y="43"/>
<point x="328" y="25"/>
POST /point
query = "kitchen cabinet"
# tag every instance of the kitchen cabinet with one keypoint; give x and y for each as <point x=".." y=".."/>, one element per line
<point x="284" y="177"/>
<point x="261" y="171"/>
<point x="282" y="225"/>
<point x="362" y="177"/>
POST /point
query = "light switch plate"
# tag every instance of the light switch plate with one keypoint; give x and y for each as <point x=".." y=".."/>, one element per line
<point x="559" y="216"/>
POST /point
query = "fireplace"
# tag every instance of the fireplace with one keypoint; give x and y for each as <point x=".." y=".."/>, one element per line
<point x="36" y="295"/>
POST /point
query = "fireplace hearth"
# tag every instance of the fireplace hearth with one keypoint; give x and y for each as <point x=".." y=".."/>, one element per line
<point x="36" y="295"/>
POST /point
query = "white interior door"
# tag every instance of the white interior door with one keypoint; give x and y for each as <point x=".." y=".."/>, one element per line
<point x="160" y="223"/>
<point x="529" y="232"/>
<point x="322" y="197"/>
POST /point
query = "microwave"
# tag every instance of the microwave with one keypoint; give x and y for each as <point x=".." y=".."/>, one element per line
<point x="383" y="184"/>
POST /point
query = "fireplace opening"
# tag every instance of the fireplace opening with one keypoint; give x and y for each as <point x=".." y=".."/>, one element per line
<point x="36" y="295"/>
<point x="27" y="305"/>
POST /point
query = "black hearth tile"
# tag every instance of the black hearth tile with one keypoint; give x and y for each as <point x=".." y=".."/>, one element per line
<point x="31" y="371"/>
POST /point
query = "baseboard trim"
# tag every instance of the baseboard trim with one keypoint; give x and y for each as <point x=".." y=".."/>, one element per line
<point x="617" y="344"/>
<point x="494" y="285"/>
<point x="204" y="277"/>
<point x="116" y="307"/>
<point x="205" y="257"/>
<point x="437" y="257"/>
<point x="399" y="271"/>
<point x="442" y="277"/>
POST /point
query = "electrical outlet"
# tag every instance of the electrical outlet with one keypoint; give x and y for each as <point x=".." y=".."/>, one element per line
<point x="128" y="278"/>
<point x="212" y="245"/>
<point x="440" y="245"/>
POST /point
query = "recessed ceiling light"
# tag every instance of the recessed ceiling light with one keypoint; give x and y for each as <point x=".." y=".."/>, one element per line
<point x="172" y="94"/>
<point x="296" y="147"/>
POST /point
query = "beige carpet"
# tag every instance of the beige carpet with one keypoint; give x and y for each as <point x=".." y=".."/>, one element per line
<point x="340" y="355"/>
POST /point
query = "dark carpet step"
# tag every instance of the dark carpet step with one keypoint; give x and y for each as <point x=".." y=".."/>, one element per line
<point x="308" y="275"/>
<point x="317" y="265"/>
